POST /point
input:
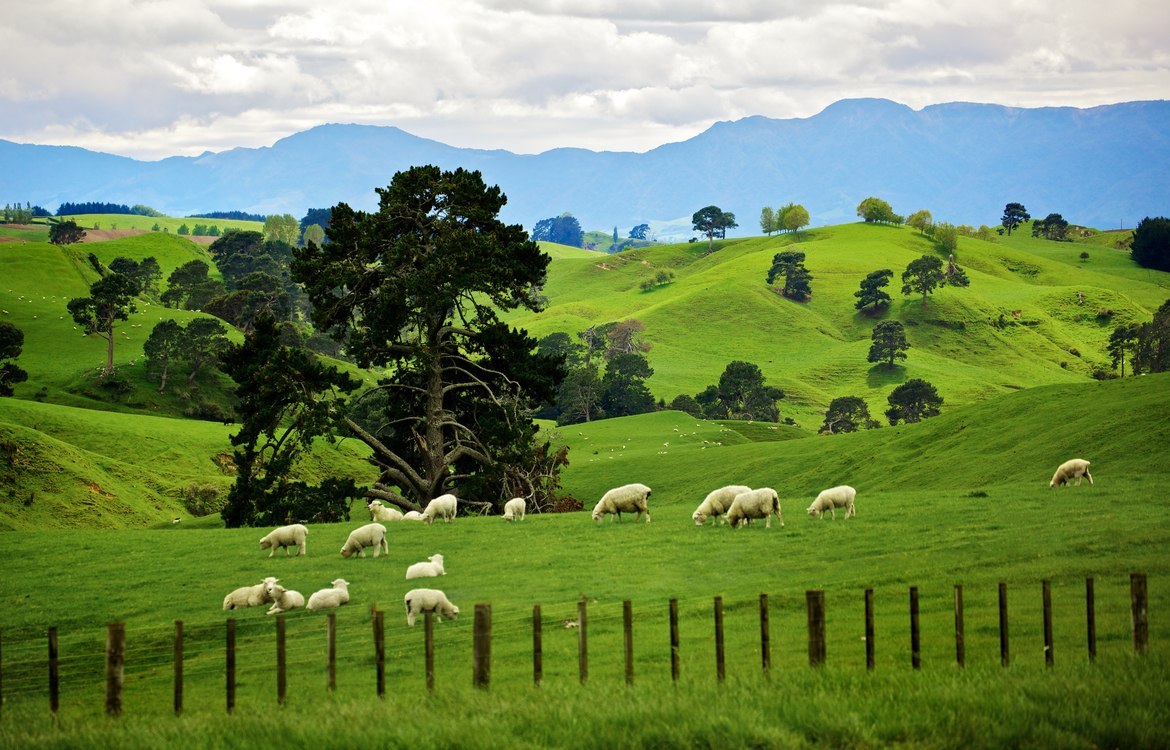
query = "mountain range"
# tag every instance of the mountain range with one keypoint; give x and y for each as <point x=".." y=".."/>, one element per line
<point x="1103" y="167"/>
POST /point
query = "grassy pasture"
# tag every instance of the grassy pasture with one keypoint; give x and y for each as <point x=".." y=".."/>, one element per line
<point x="169" y="223"/>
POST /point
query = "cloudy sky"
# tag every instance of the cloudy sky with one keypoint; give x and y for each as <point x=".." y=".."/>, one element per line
<point x="155" y="78"/>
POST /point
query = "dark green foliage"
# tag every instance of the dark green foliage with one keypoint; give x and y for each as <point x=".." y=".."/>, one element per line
<point x="189" y="287"/>
<point x="924" y="275"/>
<point x="623" y="387"/>
<point x="847" y="414"/>
<point x="1152" y="350"/>
<point x="712" y="222"/>
<point x="561" y="345"/>
<point x="563" y="229"/>
<point x="162" y="348"/>
<point x="871" y="292"/>
<point x="639" y="232"/>
<point x="92" y="207"/>
<point x="913" y="401"/>
<point x="110" y="299"/>
<point x="876" y="210"/>
<point x="579" y="396"/>
<point x="65" y="233"/>
<point x="687" y="404"/>
<point x="11" y="345"/>
<point x="1124" y="340"/>
<point x="741" y="394"/>
<point x="1014" y="214"/>
<point x="1052" y="227"/>
<point x="238" y="215"/>
<point x="797" y="279"/>
<point x="888" y="343"/>
<point x="1151" y="243"/>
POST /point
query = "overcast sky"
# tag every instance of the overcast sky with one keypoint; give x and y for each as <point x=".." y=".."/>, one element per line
<point x="158" y="78"/>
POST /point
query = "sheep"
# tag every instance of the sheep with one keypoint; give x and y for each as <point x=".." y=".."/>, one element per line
<point x="283" y="599"/>
<point x="717" y="502"/>
<point x="285" y="536"/>
<point x="428" y="600"/>
<point x="249" y="596"/>
<point x="833" y="498"/>
<point x="514" y="509"/>
<point x="370" y="535"/>
<point x="412" y="515"/>
<point x="443" y="505"/>
<point x="433" y="567"/>
<point x="1074" y="468"/>
<point x="628" y="498"/>
<point x="761" y="503"/>
<point x="380" y="512"/>
<point x="330" y="598"/>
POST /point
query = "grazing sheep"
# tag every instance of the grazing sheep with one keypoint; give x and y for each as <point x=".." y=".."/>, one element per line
<point x="717" y="502"/>
<point x="761" y="503"/>
<point x="283" y="599"/>
<point x="249" y="596"/>
<point x="330" y="598"/>
<point x="412" y="515"/>
<point x="514" y="509"/>
<point x="628" y="498"/>
<point x="443" y="506"/>
<point x="833" y="498"/>
<point x="380" y="512"/>
<point x="428" y="600"/>
<point x="430" y="569"/>
<point x="285" y="536"/>
<point x="1074" y="468"/>
<point x="370" y="535"/>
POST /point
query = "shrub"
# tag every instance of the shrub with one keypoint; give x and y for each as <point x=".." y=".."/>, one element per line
<point x="203" y="499"/>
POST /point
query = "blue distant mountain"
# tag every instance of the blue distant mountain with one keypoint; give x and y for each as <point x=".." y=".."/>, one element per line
<point x="1105" y="167"/>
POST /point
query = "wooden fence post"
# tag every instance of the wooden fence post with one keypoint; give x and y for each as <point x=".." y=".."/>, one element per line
<point x="915" y="633"/>
<point x="115" y="666"/>
<point x="960" y="636"/>
<point x="537" y="652"/>
<point x="1004" y="656"/>
<point x="720" y="664"/>
<point x="1046" y="598"/>
<point x="178" y="667"/>
<point x="869" y="644"/>
<point x="582" y="643"/>
<point x="628" y="627"/>
<point x="765" y="637"/>
<point x="815" y="600"/>
<point x="674" y="640"/>
<point x="230" y="669"/>
<point x="482" y="646"/>
<point x="1138" y="611"/>
<point x="429" y="648"/>
<point x="331" y="651"/>
<point x="281" y="662"/>
<point x="1091" y="618"/>
<point x="380" y="652"/>
<point x="53" y="681"/>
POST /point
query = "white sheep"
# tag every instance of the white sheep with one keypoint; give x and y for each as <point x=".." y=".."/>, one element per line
<point x="249" y="596"/>
<point x="831" y="499"/>
<point x="412" y="515"/>
<point x="285" y="536"/>
<point x="629" y="498"/>
<point x="717" y="502"/>
<point x="433" y="567"/>
<point x="370" y="535"/>
<point x="428" y="600"/>
<point x="1074" y="468"/>
<point x="283" y="599"/>
<point x="443" y="506"/>
<point x="380" y="512"/>
<point x="330" y="598"/>
<point x="514" y="509"/>
<point x="761" y="503"/>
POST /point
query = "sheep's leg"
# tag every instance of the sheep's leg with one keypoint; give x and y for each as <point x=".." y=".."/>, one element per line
<point x="1089" y="477"/>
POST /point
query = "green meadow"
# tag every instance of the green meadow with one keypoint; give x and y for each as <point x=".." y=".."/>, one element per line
<point x="92" y="482"/>
<point x="165" y="224"/>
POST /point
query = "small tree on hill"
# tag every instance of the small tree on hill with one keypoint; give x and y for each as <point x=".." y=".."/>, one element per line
<point x="877" y="210"/>
<point x="712" y="222"/>
<point x="163" y="348"/>
<point x="791" y="218"/>
<point x="1052" y="227"/>
<point x="623" y="387"/>
<point x="65" y="233"/>
<point x="11" y="345"/>
<point x="1151" y="243"/>
<point x="1014" y="214"/>
<point x="767" y="220"/>
<point x="110" y="299"/>
<point x="1124" y="340"/>
<point x="847" y="414"/>
<point x="797" y="279"/>
<point x="871" y="292"/>
<point x="913" y="401"/>
<point x="920" y="220"/>
<point x="888" y="343"/>
<point x="926" y="274"/>
<point x="640" y="232"/>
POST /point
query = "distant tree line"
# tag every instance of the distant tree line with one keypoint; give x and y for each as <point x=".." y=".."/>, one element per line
<point x="563" y="229"/>
<point x="72" y="209"/>
<point x="14" y="213"/>
<point x="1145" y="345"/>
<point x="237" y="215"/>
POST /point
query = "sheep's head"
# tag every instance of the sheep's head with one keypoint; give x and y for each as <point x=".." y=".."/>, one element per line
<point x="699" y="518"/>
<point x="265" y="543"/>
<point x="814" y="511"/>
<point x="346" y="551"/>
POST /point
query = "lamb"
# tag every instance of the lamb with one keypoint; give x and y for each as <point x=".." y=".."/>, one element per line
<point x="433" y="567"/>
<point x="428" y="600"/>
<point x="380" y="512"/>
<point x="514" y="509"/>
<point x="285" y="536"/>
<point x="717" y="502"/>
<point x="1074" y="468"/>
<point x="283" y="599"/>
<point x="443" y="505"/>
<point x="412" y="515"/>
<point x="629" y="498"/>
<point x="761" y="503"/>
<point x="330" y="598"/>
<point x="370" y="535"/>
<point x="833" y="498"/>
<point x="249" y="596"/>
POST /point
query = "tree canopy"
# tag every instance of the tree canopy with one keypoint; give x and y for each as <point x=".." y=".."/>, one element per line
<point x="712" y="222"/>
<point x="913" y="401"/>
<point x="876" y="210"/>
<point x="1014" y="214"/>
<point x="563" y="229"/>
<point x="110" y="299"/>
<point x="11" y="345"/>
<point x="1151" y="243"/>
<point x="847" y="414"/>
<point x="927" y="273"/>
<point x="888" y="343"/>
<point x="871" y="292"/>
<point x="65" y="233"/>
<point x="797" y="279"/>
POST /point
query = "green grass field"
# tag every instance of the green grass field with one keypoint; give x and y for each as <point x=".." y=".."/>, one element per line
<point x="170" y="224"/>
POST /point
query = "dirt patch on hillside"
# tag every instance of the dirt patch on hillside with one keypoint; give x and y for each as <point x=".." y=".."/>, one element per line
<point x="102" y="235"/>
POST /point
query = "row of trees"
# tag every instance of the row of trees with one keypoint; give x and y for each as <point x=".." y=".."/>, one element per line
<point x="14" y="213"/>
<point x="787" y="218"/>
<point x="1146" y="345"/>
<point x="563" y="229"/>
<point x="910" y="402"/>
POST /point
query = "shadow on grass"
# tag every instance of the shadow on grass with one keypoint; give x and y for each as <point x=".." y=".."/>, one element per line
<point x="882" y="375"/>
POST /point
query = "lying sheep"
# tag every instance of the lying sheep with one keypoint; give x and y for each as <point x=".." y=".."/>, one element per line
<point x="412" y="515"/>
<point x="428" y="600"/>
<point x="1074" y="468"/>
<point x="514" y="509"/>
<point x="285" y="536"/>
<point x="249" y="596"/>
<point x="433" y="567"/>
<point x="717" y="502"/>
<point x="629" y="498"/>
<point x="370" y="535"/>
<point x="380" y="512"/>
<point x="833" y="498"/>
<point x="443" y="506"/>
<point x="283" y="599"/>
<point x="761" y="503"/>
<point x="330" y="598"/>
